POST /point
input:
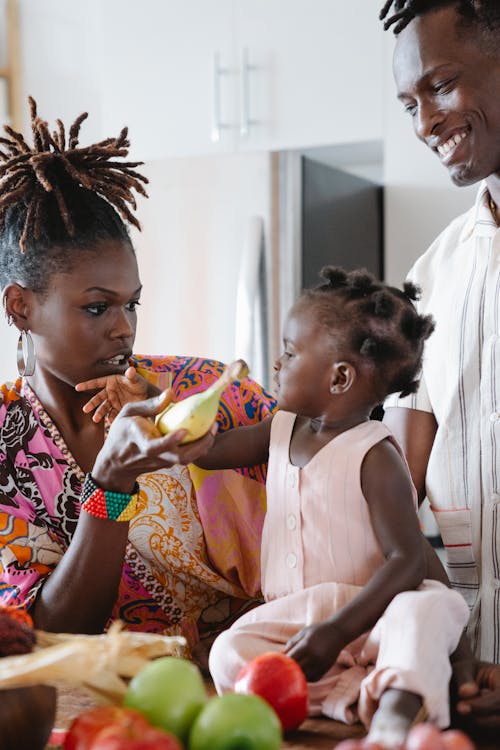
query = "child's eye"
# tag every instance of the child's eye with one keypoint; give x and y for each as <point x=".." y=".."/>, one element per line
<point x="132" y="305"/>
<point x="98" y="308"/>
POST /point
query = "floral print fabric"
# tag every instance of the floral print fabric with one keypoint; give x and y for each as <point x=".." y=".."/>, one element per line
<point x="190" y="566"/>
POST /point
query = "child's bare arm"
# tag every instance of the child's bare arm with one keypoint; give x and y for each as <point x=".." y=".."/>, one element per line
<point x="388" y="491"/>
<point x="241" y="446"/>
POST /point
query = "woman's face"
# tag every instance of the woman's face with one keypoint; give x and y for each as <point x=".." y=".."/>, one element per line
<point x="84" y="326"/>
<point x="450" y="86"/>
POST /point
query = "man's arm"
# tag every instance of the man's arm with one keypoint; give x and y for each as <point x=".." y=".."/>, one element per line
<point x="415" y="431"/>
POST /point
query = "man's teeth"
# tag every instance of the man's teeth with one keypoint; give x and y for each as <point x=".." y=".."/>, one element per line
<point x="451" y="143"/>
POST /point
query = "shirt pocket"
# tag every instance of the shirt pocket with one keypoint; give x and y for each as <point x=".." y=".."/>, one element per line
<point x="455" y="527"/>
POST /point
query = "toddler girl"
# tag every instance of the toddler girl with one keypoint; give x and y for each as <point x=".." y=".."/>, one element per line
<point x="345" y="569"/>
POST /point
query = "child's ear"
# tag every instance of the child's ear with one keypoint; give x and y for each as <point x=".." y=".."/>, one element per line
<point x="342" y="377"/>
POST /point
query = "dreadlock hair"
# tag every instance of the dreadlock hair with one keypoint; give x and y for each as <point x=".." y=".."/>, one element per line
<point x="484" y="14"/>
<point x="58" y="198"/>
<point x="376" y="323"/>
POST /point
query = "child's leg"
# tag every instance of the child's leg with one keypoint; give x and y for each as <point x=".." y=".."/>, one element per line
<point x="253" y="634"/>
<point x="396" y="712"/>
<point x="415" y="638"/>
<point x="269" y="628"/>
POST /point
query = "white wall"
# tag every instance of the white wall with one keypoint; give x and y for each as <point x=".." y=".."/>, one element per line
<point x="194" y="227"/>
<point x="63" y="53"/>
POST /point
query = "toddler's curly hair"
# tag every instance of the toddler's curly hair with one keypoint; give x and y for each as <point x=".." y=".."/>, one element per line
<point x="376" y="323"/>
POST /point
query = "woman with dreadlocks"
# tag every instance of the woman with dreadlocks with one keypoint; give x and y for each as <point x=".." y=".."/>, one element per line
<point x="80" y="540"/>
<point x="447" y="72"/>
<point x="342" y="551"/>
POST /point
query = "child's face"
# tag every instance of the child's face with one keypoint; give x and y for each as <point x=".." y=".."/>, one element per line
<point x="303" y="372"/>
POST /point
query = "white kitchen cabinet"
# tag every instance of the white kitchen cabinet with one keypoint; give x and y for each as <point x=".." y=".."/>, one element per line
<point x="158" y="74"/>
<point x="292" y="73"/>
<point x="260" y="74"/>
<point x="315" y="72"/>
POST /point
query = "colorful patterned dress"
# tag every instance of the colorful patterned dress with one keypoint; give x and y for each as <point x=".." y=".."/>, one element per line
<point x="193" y="557"/>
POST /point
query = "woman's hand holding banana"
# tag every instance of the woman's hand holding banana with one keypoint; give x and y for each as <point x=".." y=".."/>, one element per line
<point x="135" y="446"/>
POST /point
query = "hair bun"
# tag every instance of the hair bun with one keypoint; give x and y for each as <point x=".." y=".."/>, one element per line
<point x="334" y="275"/>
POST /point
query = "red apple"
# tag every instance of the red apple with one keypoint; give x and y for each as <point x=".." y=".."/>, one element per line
<point x="116" y="728"/>
<point x="281" y="682"/>
<point x="424" y="737"/>
<point x="454" y="739"/>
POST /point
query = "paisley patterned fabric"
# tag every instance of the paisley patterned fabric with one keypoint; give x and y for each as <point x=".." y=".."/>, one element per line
<point x="192" y="564"/>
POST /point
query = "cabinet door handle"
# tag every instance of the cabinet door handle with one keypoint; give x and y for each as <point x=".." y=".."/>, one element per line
<point x="217" y="72"/>
<point x="246" y="121"/>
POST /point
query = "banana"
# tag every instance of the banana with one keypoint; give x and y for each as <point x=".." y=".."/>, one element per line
<point x="197" y="413"/>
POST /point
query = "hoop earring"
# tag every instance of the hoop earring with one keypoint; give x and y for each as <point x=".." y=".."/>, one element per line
<point x="26" y="358"/>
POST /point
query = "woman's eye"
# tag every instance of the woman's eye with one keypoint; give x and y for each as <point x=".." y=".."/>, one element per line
<point x="96" y="309"/>
<point x="130" y="306"/>
<point x="411" y="109"/>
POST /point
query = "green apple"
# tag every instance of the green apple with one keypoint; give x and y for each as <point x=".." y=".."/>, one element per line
<point x="170" y="693"/>
<point x="236" y="722"/>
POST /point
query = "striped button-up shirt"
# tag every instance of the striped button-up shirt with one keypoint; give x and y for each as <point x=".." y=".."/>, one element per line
<point x="460" y="280"/>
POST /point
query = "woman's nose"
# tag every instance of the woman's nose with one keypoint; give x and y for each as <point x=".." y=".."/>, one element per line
<point x="123" y="327"/>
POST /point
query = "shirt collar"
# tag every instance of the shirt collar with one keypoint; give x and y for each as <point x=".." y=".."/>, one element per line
<point x="480" y="221"/>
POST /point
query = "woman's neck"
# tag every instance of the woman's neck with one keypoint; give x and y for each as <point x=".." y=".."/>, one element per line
<point x="60" y="401"/>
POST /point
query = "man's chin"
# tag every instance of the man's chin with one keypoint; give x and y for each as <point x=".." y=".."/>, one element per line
<point x="463" y="175"/>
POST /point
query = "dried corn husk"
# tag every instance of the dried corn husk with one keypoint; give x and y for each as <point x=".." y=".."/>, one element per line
<point x="101" y="664"/>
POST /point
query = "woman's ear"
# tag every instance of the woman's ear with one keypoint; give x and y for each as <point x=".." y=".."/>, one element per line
<point x="15" y="304"/>
<point x="342" y="377"/>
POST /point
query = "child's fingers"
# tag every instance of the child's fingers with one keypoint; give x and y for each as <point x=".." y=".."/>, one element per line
<point x="101" y="411"/>
<point x="94" y="402"/>
<point x="131" y="373"/>
<point x="91" y="385"/>
<point x="112" y="414"/>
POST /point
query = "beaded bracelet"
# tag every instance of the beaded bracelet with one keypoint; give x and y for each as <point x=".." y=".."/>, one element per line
<point x="118" y="506"/>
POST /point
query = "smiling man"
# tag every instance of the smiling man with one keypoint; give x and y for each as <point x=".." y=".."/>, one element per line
<point x="447" y="73"/>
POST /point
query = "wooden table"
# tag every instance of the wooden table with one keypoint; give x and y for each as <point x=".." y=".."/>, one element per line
<point x="317" y="733"/>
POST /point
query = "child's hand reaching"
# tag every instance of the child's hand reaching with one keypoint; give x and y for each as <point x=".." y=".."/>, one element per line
<point x="116" y="391"/>
<point x="315" y="648"/>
